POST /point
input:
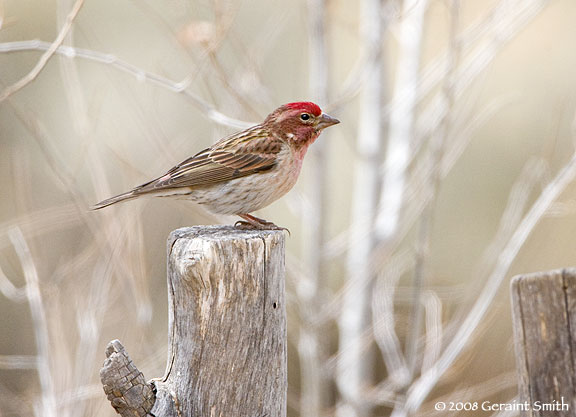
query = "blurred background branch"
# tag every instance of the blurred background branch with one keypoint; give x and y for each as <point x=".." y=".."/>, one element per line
<point x="107" y="59"/>
<point x="31" y="76"/>
<point x="312" y="347"/>
<point x="355" y="364"/>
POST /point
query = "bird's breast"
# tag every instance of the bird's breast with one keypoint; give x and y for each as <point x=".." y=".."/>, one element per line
<point x="252" y="192"/>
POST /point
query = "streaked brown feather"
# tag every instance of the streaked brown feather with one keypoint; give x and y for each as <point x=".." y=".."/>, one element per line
<point x="245" y="153"/>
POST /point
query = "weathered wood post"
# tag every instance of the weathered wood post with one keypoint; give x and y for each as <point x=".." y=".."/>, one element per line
<point x="227" y="330"/>
<point x="544" y="319"/>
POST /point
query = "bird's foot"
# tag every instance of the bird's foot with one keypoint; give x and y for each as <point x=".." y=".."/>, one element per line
<point x="254" y="223"/>
<point x="242" y="225"/>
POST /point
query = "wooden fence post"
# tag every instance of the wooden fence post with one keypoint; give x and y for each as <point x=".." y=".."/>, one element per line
<point x="544" y="319"/>
<point x="227" y="330"/>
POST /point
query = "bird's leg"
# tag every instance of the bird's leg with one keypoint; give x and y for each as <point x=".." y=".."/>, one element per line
<point x="253" y="222"/>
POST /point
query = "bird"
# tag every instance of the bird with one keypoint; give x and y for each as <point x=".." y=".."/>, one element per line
<point x="245" y="171"/>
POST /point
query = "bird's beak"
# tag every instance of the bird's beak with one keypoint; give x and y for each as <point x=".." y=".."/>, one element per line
<point x="325" y="121"/>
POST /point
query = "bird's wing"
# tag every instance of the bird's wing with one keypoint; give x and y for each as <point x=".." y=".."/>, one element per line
<point x="244" y="153"/>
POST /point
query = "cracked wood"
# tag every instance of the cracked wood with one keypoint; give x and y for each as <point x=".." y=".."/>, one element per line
<point x="227" y="324"/>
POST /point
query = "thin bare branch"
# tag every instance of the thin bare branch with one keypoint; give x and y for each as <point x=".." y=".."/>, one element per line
<point x="434" y="334"/>
<point x="356" y="79"/>
<point x="531" y="177"/>
<point x="143" y="76"/>
<point x="40" y="320"/>
<point x="17" y="362"/>
<point x="504" y="23"/>
<point x="31" y="76"/>
<point x="9" y="290"/>
<point x="385" y="319"/>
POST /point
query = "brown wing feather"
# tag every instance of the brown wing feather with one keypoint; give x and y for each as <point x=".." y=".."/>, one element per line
<point x="242" y="154"/>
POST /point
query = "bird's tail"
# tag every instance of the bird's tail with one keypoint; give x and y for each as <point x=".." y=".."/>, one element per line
<point x="116" y="199"/>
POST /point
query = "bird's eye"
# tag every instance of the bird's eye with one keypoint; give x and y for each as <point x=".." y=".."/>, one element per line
<point x="305" y="116"/>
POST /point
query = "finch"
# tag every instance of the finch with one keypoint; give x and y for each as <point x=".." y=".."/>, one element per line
<point x="246" y="171"/>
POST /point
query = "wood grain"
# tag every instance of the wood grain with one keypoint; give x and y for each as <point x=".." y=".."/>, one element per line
<point x="227" y="341"/>
<point x="544" y="317"/>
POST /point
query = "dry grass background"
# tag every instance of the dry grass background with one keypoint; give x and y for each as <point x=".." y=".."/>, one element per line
<point x="397" y="272"/>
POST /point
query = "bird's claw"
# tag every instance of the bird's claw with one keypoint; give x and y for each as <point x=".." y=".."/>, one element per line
<point x="264" y="225"/>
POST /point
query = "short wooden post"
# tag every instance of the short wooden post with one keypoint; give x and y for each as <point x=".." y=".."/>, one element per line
<point x="544" y="318"/>
<point x="227" y="325"/>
